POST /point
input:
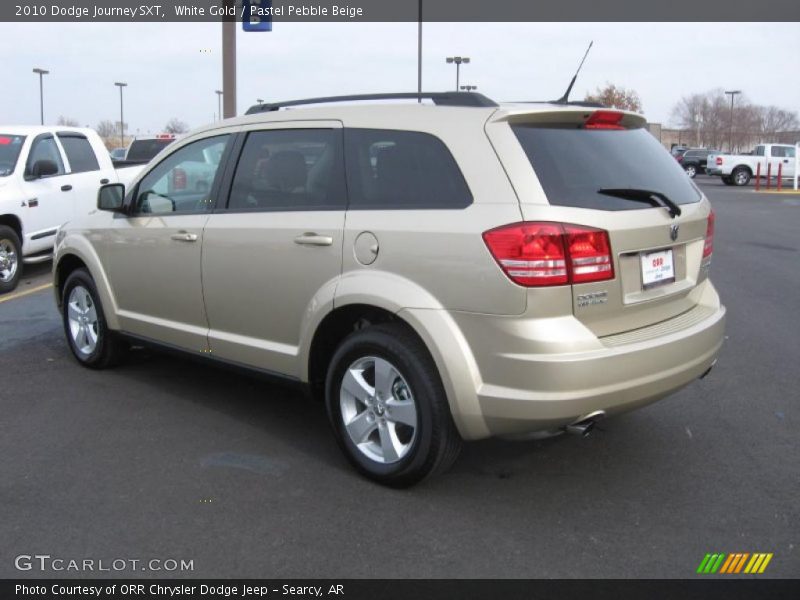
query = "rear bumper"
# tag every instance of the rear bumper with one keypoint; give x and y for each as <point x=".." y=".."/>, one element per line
<point x="515" y="375"/>
<point x="616" y="379"/>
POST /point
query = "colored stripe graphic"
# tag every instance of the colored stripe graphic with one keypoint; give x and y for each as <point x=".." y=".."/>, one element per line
<point x="734" y="563"/>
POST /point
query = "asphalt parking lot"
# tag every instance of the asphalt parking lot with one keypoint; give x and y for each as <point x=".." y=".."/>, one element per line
<point x="164" y="458"/>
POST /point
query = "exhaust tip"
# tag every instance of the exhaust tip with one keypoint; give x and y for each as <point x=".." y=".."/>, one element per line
<point x="584" y="426"/>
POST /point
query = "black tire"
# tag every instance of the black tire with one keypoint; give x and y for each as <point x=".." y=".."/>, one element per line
<point x="726" y="179"/>
<point x="741" y="176"/>
<point x="435" y="443"/>
<point x="10" y="259"/>
<point x="109" y="349"/>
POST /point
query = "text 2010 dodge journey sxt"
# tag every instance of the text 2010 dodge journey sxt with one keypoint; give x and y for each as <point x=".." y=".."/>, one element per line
<point x="436" y="272"/>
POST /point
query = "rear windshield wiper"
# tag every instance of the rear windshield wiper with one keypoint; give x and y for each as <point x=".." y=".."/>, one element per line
<point x="639" y="195"/>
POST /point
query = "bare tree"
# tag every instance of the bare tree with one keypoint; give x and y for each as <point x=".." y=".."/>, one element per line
<point x="67" y="121"/>
<point x="616" y="97"/>
<point x="175" y="125"/>
<point x="107" y="129"/>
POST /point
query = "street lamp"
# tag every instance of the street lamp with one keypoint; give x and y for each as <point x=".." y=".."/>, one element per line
<point x="41" y="73"/>
<point x="469" y="88"/>
<point x="732" y="93"/>
<point x="458" y="60"/>
<point x="260" y="101"/>
<point x="219" y="104"/>
<point x="121" y="85"/>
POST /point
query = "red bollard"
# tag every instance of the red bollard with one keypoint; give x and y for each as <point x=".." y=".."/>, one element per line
<point x="780" y="173"/>
<point x="758" y="176"/>
<point x="769" y="174"/>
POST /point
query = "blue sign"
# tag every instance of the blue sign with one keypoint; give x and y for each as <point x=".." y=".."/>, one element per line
<point x="257" y="15"/>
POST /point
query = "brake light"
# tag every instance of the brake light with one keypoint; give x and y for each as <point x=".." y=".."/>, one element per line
<point x="544" y="254"/>
<point x="604" y="119"/>
<point x="679" y="158"/>
<point x="708" y="246"/>
<point x="5" y="141"/>
<point x="178" y="179"/>
<point x="718" y="160"/>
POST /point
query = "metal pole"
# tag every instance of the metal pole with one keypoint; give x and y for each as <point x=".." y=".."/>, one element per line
<point x="732" y="93"/>
<point x="796" y="164"/>
<point x="41" y="98"/>
<point x="121" y="121"/>
<point x="220" y="95"/>
<point x="458" y="73"/>
<point x="229" y="63"/>
<point x="419" y="54"/>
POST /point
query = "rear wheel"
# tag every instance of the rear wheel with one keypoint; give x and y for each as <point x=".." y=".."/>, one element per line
<point x="388" y="408"/>
<point x="691" y="171"/>
<point x="741" y="176"/>
<point x="726" y="179"/>
<point x="10" y="259"/>
<point x="92" y="343"/>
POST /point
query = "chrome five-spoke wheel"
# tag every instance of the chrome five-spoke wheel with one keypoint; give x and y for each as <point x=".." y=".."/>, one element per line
<point x="82" y="320"/>
<point x="378" y="409"/>
<point x="8" y="260"/>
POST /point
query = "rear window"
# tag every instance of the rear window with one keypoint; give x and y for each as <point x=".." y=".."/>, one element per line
<point x="146" y="149"/>
<point x="79" y="153"/>
<point x="389" y="169"/>
<point x="10" y="145"/>
<point x="574" y="164"/>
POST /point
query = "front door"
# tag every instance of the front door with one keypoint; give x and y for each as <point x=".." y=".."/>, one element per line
<point x="153" y="253"/>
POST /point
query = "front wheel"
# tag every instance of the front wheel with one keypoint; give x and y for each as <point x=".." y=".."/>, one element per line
<point x="92" y="343"/>
<point x="388" y="408"/>
<point x="741" y="176"/>
<point x="691" y="171"/>
<point x="10" y="259"/>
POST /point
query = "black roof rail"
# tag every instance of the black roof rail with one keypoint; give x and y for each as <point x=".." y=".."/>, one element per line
<point x="439" y="98"/>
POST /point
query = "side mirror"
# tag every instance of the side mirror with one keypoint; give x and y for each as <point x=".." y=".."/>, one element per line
<point x="43" y="168"/>
<point x="111" y="197"/>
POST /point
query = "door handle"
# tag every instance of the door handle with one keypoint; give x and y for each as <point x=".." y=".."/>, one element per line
<point x="183" y="236"/>
<point x="66" y="188"/>
<point x="313" y="239"/>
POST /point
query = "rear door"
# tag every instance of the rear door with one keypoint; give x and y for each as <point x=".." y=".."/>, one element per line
<point x="84" y="168"/>
<point x="274" y="249"/>
<point x="601" y="177"/>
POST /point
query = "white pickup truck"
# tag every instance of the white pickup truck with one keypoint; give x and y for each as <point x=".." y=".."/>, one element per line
<point x="48" y="176"/>
<point x="739" y="169"/>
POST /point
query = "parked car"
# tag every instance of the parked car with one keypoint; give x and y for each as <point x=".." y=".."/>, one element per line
<point x="433" y="273"/>
<point x="48" y="175"/>
<point x="144" y="148"/>
<point x="694" y="160"/>
<point x="739" y="169"/>
<point x="678" y="150"/>
<point x="118" y="154"/>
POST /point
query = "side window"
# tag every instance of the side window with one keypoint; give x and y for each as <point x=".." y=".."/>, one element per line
<point x="759" y="151"/>
<point x="789" y="152"/>
<point x="44" y="148"/>
<point x="389" y="169"/>
<point x="182" y="182"/>
<point x="79" y="153"/>
<point x="289" y="169"/>
<point x="778" y="152"/>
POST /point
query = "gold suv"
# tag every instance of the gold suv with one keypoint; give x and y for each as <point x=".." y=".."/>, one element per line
<point x="436" y="272"/>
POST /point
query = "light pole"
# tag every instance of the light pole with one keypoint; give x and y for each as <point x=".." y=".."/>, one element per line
<point x="41" y="73"/>
<point x="458" y="60"/>
<point x="121" y="85"/>
<point x="219" y="94"/>
<point x="260" y="101"/>
<point x="469" y="88"/>
<point x="732" y="94"/>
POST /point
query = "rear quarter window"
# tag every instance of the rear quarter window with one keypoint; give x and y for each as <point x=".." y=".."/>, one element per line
<point x="79" y="152"/>
<point x="388" y="169"/>
<point x="573" y="164"/>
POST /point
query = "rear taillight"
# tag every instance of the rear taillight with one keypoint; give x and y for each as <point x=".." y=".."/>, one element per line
<point x="718" y="160"/>
<point x="604" y="119"/>
<point x="543" y="254"/>
<point x="708" y="247"/>
<point x="178" y="179"/>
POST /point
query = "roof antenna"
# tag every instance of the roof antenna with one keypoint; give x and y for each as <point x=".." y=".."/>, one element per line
<point x="565" y="98"/>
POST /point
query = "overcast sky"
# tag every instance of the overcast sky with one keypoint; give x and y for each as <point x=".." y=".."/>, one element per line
<point x="169" y="75"/>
